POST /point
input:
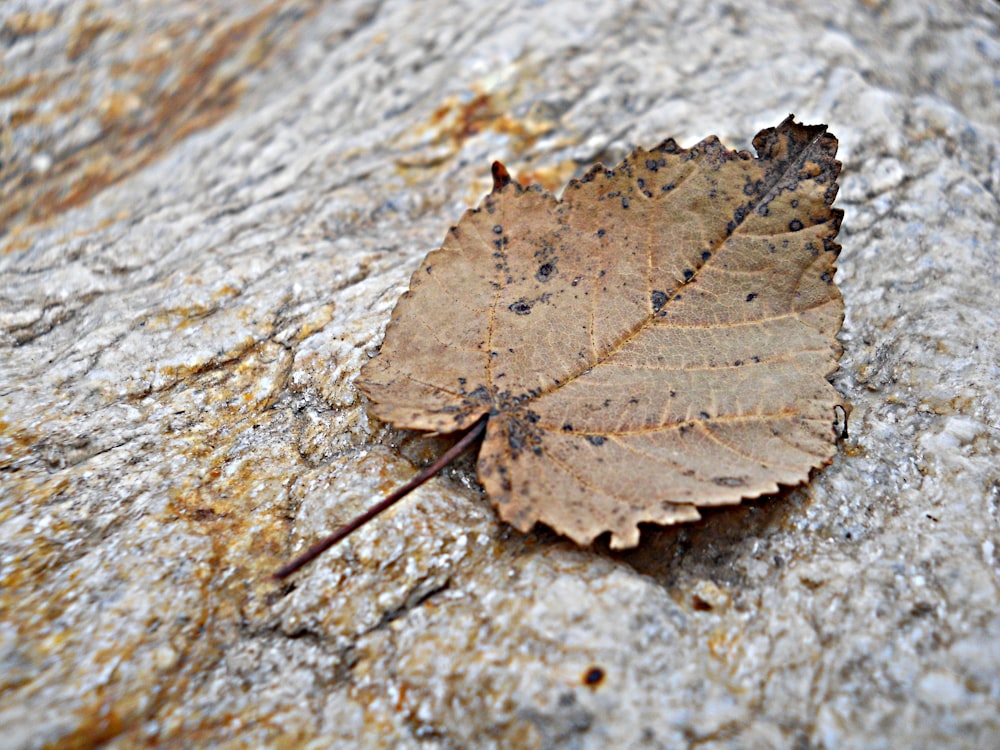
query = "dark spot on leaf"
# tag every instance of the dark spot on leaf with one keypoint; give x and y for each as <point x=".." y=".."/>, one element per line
<point x="729" y="481"/>
<point x="520" y="307"/>
<point x="600" y="232"/>
<point x="794" y="225"/>
<point x="624" y="202"/>
<point x="567" y="427"/>
<point x="703" y="414"/>
<point x="497" y="229"/>
<point x="706" y="255"/>
<point x="545" y="272"/>
<point x="659" y="299"/>
<point x="752" y="296"/>
<point x="688" y="274"/>
<point x="596" y="439"/>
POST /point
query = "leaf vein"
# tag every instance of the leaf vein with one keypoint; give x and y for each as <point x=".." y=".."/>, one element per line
<point x="708" y="432"/>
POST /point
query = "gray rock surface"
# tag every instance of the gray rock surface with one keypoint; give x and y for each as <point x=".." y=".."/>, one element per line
<point x="200" y="252"/>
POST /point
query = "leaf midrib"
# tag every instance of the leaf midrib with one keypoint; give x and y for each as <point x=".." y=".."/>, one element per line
<point x="636" y="330"/>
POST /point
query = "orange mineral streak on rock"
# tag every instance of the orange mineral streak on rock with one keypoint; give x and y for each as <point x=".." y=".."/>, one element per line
<point x="181" y="83"/>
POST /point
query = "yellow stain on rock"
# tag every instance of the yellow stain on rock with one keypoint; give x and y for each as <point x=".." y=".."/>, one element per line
<point x="229" y="462"/>
<point x="460" y="118"/>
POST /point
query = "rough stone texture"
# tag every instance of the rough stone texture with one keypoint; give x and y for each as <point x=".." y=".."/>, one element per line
<point x="190" y="282"/>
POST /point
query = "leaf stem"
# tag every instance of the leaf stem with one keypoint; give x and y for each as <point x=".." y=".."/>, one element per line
<point x="324" y="544"/>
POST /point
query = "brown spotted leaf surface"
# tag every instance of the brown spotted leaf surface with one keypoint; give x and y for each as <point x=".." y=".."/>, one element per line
<point x="657" y="340"/>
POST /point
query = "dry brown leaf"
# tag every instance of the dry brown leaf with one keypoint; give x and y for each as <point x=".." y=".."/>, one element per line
<point x="658" y="339"/>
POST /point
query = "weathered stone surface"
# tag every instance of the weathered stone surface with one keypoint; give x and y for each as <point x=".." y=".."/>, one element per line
<point x="180" y="335"/>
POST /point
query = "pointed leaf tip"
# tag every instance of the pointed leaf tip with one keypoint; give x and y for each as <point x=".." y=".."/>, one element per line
<point x="501" y="177"/>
